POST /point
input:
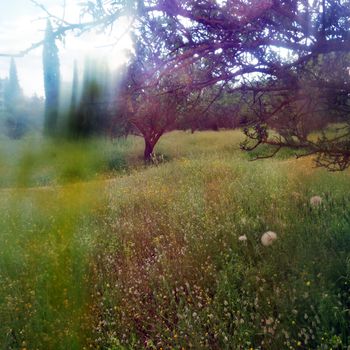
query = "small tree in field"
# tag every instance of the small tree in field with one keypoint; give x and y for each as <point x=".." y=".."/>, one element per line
<point x="153" y="113"/>
<point x="151" y="105"/>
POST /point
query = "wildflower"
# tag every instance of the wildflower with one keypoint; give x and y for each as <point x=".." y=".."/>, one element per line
<point x="268" y="238"/>
<point x="242" y="238"/>
<point x="315" y="201"/>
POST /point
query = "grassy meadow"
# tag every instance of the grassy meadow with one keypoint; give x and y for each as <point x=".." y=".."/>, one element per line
<point x="99" y="251"/>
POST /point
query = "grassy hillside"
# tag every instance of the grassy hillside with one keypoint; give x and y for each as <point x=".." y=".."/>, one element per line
<point x="151" y="258"/>
<point x="36" y="162"/>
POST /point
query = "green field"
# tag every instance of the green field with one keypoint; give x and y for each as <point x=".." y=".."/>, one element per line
<point x="99" y="251"/>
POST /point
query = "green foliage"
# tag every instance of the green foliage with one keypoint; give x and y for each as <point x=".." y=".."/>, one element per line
<point x="116" y="162"/>
<point x="267" y="150"/>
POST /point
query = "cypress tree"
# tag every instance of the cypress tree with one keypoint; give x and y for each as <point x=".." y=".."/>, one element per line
<point x="51" y="69"/>
<point x="73" y="109"/>
<point x="13" y="92"/>
<point x="91" y="113"/>
<point x="16" y="122"/>
<point x="74" y="98"/>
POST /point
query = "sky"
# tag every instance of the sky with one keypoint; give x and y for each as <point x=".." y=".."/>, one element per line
<point x="23" y="23"/>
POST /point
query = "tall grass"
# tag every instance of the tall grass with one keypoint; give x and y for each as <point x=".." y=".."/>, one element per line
<point x="152" y="259"/>
<point x="47" y="238"/>
<point x="34" y="161"/>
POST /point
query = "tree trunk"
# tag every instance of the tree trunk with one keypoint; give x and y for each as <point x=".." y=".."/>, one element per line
<point x="147" y="155"/>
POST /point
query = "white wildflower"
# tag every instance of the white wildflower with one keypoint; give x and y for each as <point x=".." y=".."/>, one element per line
<point x="315" y="201"/>
<point x="268" y="238"/>
<point x="242" y="238"/>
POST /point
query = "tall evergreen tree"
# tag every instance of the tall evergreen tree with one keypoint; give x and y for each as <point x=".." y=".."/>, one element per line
<point x="72" y="113"/>
<point x="91" y="114"/>
<point x="51" y="69"/>
<point x="16" y="122"/>
<point x="13" y="92"/>
<point x="74" y="99"/>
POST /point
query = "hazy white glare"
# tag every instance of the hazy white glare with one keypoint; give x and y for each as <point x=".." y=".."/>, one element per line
<point x="19" y="29"/>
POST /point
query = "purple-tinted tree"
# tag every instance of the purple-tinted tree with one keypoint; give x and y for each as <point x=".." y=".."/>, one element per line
<point x="151" y="105"/>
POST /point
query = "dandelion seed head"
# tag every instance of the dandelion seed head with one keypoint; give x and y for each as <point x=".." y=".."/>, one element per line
<point x="268" y="238"/>
<point x="242" y="238"/>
